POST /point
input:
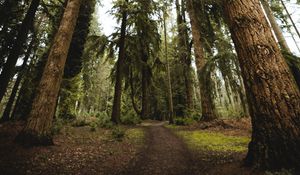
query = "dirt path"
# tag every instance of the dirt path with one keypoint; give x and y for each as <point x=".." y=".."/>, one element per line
<point x="164" y="154"/>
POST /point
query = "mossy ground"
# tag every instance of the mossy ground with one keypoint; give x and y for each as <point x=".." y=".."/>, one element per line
<point x="212" y="141"/>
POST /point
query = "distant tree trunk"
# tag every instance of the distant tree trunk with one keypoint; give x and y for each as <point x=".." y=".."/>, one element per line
<point x="145" y="92"/>
<point x="290" y="17"/>
<point x="116" y="109"/>
<point x="170" y="96"/>
<point x="70" y="83"/>
<point x="9" y="67"/>
<point x="184" y="52"/>
<point x="274" y="99"/>
<point x="9" y="105"/>
<point x="38" y="127"/>
<point x="132" y="95"/>
<point x="207" y="104"/>
<point x="278" y="33"/>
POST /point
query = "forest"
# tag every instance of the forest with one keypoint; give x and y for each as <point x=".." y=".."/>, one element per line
<point x="150" y="87"/>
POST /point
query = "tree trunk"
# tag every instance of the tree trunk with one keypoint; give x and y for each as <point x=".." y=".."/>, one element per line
<point x="274" y="99"/>
<point x="170" y="96"/>
<point x="145" y="91"/>
<point x="278" y="33"/>
<point x="290" y="17"/>
<point x="9" y="67"/>
<point x="9" y="105"/>
<point x="71" y="79"/>
<point x="38" y="127"/>
<point x="184" y="52"/>
<point x="207" y="105"/>
<point x="116" y="110"/>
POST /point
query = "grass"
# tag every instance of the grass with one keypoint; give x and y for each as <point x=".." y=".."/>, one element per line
<point x="212" y="141"/>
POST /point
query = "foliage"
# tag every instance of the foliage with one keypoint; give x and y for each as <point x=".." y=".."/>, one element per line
<point x="131" y="118"/>
<point x="184" y="121"/>
<point x="118" y="133"/>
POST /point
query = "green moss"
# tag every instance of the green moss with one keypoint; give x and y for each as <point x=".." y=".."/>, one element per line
<point x="135" y="134"/>
<point x="214" y="141"/>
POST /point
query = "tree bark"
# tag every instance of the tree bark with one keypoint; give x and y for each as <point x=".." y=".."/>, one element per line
<point x="278" y="33"/>
<point x="116" y="110"/>
<point x="274" y="99"/>
<point x="38" y="128"/>
<point x="9" y="67"/>
<point x="207" y="104"/>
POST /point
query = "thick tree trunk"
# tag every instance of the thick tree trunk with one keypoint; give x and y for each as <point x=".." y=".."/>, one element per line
<point x="116" y="110"/>
<point x="9" y="67"/>
<point x="274" y="99"/>
<point x="206" y="100"/>
<point x="278" y="33"/>
<point x="38" y="127"/>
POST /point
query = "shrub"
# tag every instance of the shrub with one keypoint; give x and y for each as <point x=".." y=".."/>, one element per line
<point x="93" y="126"/>
<point x="130" y="119"/>
<point x="80" y="122"/>
<point x="183" y="121"/>
<point x="118" y="133"/>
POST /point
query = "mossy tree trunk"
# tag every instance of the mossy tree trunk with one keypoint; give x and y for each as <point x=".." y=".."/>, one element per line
<point x="274" y="99"/>
<point x="38" y="128"/>
<point x="207" y="104"/>
<point x="70" y="88"/>
<point x="184" y="51"/>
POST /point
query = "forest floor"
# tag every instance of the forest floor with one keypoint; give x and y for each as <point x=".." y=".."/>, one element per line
<point x="153" y="148"/>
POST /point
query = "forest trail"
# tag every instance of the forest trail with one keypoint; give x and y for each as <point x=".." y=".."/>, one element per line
<point x="164" y="154"/>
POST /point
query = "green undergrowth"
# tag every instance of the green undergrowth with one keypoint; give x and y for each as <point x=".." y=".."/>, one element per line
<point x="212" y="141"/>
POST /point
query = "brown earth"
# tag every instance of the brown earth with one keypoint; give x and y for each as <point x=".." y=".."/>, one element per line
<point x="80" y="151"/>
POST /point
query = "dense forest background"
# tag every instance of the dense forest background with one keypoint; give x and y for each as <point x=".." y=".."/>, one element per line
<point x="182" y="61"/>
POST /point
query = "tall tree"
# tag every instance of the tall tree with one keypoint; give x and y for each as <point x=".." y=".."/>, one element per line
<point x="9" y="105"/>
<point x="170" y="96"/>
<point x="116" y="111"/>
<point x="69" y="88"/>
<point x="184" y="50"/>
<point x="207" y="105"/>
<point x="274" y="99"/>
<point x="9" y="67"/>
<point x="278" y="33"/>
<point x="38" y="127"/>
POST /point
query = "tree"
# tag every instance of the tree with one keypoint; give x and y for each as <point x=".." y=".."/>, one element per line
<point x="38" y="127"/>
<point x="9" y="66"/>
<point x="170" y="96"/>
<point x="69" y="92"/>
<point x="278" y="33"/>
<point x="116" y="111"/>
<point x="272" y="94"/>
<point x="184" y="51"/>
<point x="207" y="105"/>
